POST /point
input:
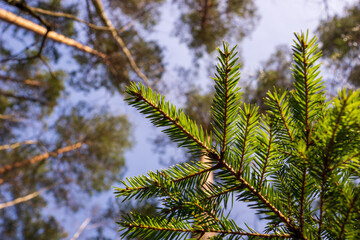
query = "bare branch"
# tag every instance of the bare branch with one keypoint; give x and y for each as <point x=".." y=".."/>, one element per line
<point x="22" y="98"/>
<point x="12" y="166"/>
<point x="100" y="10"/>
<point x="29" y="82"/>
<point x="16" y="145"/>
<point x="31" y="26"/>
<point x="69" y="16"/>
<point x="11" y="118"/>
<point x="81" y="229"/>
<point x="24" y="7"/>
<point x="25" y="198"/>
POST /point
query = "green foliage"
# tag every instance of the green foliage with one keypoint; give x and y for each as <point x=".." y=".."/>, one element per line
<point x="340" y="37"/>
<point x="105" y="137"/>
<point x="297" y="165"/>
<point x="89" y="169"/>
<point x="204" y="23"/>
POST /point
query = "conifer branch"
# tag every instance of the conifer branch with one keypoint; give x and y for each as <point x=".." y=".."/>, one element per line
<point x="262" y="235"/>
<point x="308" y="97"/>
<point x="182" y="204"/>
<point x="227" y="98"/>
<point x="243" y="147"/>
<point x="175" y="122"/>
<point x="226" y="101"/>
<point x="281" y="105"/>
<point x="263" y="199"/>
<point x="344" y="103"/>
<point x="345" y="221"/>
<point x="302" y="199"/>
<point x="247" y="128"/>
<point x="308" y="148"/>
<point x="326" y="161"/>
<point x="179" y="127"/>
<point x="288" y="198"/>
<point x="223" y="192"/>
<point x="266" y="159"/>
<point x="210" y="169"/>
<point x="339" y="164"/>
<point x="307" y="129"/>
<point x="181" y="174"/>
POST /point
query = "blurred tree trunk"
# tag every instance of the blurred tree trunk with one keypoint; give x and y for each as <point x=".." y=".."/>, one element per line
<point x="210" y="179"/>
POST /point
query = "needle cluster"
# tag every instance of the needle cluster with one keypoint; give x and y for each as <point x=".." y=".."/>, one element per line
<point x="297" y="164"/>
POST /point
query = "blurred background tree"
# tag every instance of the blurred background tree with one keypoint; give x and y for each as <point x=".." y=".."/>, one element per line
<point x="205" y="23"/>
<point x="56" y="152"/>
<point x="274" y="72"/>
<point x="340" y="38"/>
<point x="61" y="143"/>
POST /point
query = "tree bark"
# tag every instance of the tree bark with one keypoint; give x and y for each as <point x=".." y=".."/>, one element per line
<point x="26" y="24"/>
<point x="205" y="11"/>
<point x="210" y="179"/>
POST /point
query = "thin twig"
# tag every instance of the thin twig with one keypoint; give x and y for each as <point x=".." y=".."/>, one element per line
<point x="22" y="98"/>
<point x="100" y="10"/>
<point x="90" y="25"/>
<point x="29" y="82"/>
<point x="69" y="16"/>
<point x="81" y="229"/>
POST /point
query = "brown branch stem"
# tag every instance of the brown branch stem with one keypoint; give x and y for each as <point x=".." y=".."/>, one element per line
<point x="100" y="10"/>
<point x="24" y="198"/>
<point x="213" y="231"/>
<point x="38" y="158"/>
<point x="37" y="29"/>
<point x="16" y="145"/>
